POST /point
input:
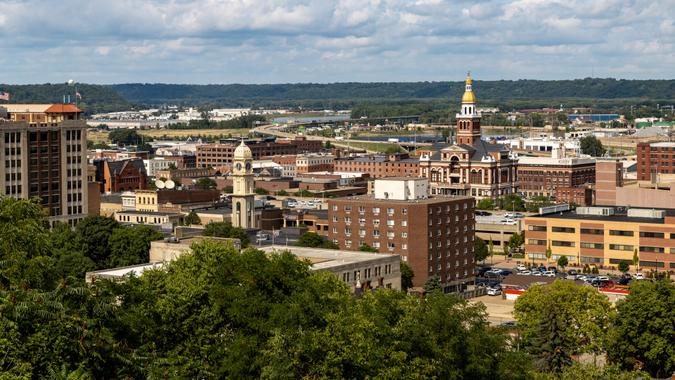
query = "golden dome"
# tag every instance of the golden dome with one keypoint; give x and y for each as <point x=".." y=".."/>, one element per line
<point x="243" y="152"/>
<point x="468" y="97"/>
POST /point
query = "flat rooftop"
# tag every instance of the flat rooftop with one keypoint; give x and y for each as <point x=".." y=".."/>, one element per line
<point x="327" y="258"/>
<point x="429" y="200"/>
<point x="154" y="213"/>
<point x="619" y="216"/>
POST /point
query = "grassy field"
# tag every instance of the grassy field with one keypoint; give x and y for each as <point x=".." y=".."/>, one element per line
<point x="172" y="134"/>
<point x="372" y="146"/>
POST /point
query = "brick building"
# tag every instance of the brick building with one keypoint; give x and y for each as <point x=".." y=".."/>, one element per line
<point x="434" y="235"/>
<point x="541" y="176"/>
<point x="654" y="159"/>
<point x="604" y="236"/>
<point x="471" y="166"/>
<point x="379" y="166"/>
<point x="44" y="150"/>
<point x="123" y="175"/>
<point x="580" y="195"/>
<point x="221" y="154"/>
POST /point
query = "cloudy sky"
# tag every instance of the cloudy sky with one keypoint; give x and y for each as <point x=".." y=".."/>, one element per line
<point x="268" y="41"/>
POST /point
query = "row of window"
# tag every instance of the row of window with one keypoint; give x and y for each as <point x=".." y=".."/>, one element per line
<point x="613" y="247"/>
<point x="593" y="231"/>
<point x="368" y="273"/>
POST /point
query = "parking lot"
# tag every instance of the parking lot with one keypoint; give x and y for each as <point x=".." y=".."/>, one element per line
<point x="499" y="310"/>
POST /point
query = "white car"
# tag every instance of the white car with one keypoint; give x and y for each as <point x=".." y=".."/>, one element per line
<point x="536" y="273"/>
<point x="524" y="273"/>
<point x="494" y="291"/>
<point x="549" y="273"/>
<point x="521" y="267"/>
<point x="639" y="276"/>
<point x="603" y="278"/>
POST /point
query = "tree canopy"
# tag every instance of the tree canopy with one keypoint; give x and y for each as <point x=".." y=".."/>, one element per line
<point x="592" y="146"/>
<point x="312" y="239"/>
<point x="644" y="329"/>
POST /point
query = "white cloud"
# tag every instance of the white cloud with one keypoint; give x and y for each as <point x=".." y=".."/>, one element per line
<point x="322" y="41"/>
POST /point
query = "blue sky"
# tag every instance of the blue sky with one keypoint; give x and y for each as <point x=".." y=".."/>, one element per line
<point x="266" y="41"/>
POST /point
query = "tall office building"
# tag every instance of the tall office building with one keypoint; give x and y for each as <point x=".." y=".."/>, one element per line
<point x="44" y="151"/>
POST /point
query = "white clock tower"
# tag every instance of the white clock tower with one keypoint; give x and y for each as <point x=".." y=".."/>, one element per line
<point x="243" y="200"/>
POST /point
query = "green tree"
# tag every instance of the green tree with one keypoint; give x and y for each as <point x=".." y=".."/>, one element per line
<point x="486" y="204"/>
<point x="511" y="202"/>
<point x="624" y="266"/>
<point x="581" y="371"/>
<point x="226" y="230"/>
<point x="643" y="330"/>
<point x="480" y="249"/>
<point x="491" y="248"/>
<point x="131" y="245"/>
<point x="506" y="248"/>
<point x="636" y="259"/>
<point x="538" y="201"/>
<point x="432" y="284"/>
<point x="562" y="262"/>
<point x="282" y="192"/>
<point x="312" y="239"/>
<point x="228" y="189"/>
<point x="261" y="191"/>
<point x="551" y="346"/>
<point x="205" y="183"/>
<point x="517" y="240"/>
<point x="582" y="313"/>
<point x="592" y="146"/>
<point x="407" y="276"/>
<point x="548" y="252"/>
<point x="94" y="233"/>
<point x="366" y="248"/>
<point x="192" y="219"/>
<point x="125" y="136"/>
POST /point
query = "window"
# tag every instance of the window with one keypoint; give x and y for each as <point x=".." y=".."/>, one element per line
<point x="335" y="218"/>
<point x="657" y="235"/>
<point x="620" y="233"/>
<point x="376" y="233"/>
<point x="593" y="260"/>
<point x="592" y="245"/>
<point x="536" y="242"/>
<point x="561" y="243"/>
<point x="567" y="230"/>
<point x="592" y="231"/>
<point x="536" y="228"/>
<point x="404" y="211"/>
<point x="376" y="244"/>
<point x="621" y="247"/>
<point x="404" y="223"/>
<point x="390" y="223"/>
<point x="652" y="249"/>
<point x="404" y="235"/>
<point x="376" y="222"/>
<point x="404" y="246"/>
<point x="376" y="210"/>
<point x="390" y="211"/>
<point x="348" y="208"/>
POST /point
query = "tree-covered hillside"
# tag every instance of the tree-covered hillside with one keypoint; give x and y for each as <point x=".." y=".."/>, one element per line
<point x="495" y="90"/>
<point x="95" y="98"/>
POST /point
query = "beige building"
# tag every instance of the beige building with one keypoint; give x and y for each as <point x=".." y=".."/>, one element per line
<point x="44" y="148"/>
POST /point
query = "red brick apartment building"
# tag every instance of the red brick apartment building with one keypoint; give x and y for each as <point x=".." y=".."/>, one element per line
<point x="124" y="175"/>
<point x="380" y="166"/>
<point x="434" y="235"/>
<point x="543" y="175"/>
<point x="221" y="154"/>
<point x="655" y="158"/>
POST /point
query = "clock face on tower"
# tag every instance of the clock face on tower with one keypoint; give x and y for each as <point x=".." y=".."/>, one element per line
<point x="248" y="166"/>
<point x="238" y="165"/>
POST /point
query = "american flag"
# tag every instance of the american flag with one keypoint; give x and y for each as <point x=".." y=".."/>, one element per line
<point x="78" y="95"/>
<point x="4" y="96"/>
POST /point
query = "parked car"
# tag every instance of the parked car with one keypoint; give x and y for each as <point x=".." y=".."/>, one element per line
<point x="553" y="269"/>
<point x="482" y="213"/>
<point x="494" y="291"/>
<point x="639" y="276"/>
<point x="521" y="267"/>
<point x="624" y="281"/>
<point x="571" y="277"/>
<point x="572" y="271"/>
<point x="549" y="273"/>
<point x="603" y="278"/>
<point x="536" y="273"/>
<point x="479" y="271"/>
<point x="524" y="273"/>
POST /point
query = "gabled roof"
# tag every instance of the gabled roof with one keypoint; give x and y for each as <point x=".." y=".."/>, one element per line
<point x="62" y="108"/>
<point x="117" y="167"/>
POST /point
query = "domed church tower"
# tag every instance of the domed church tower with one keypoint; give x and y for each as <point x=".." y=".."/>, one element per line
<point x="243" y="196"/>
<point x="468" y="120"/>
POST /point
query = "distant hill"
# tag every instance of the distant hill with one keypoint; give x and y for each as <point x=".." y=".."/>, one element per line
<point x="494" y="90"/>
<point x="521" y="93"/>
<point x="95" y="98"/>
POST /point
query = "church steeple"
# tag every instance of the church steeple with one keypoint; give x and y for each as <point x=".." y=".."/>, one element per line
<point x="468" y="120"/>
